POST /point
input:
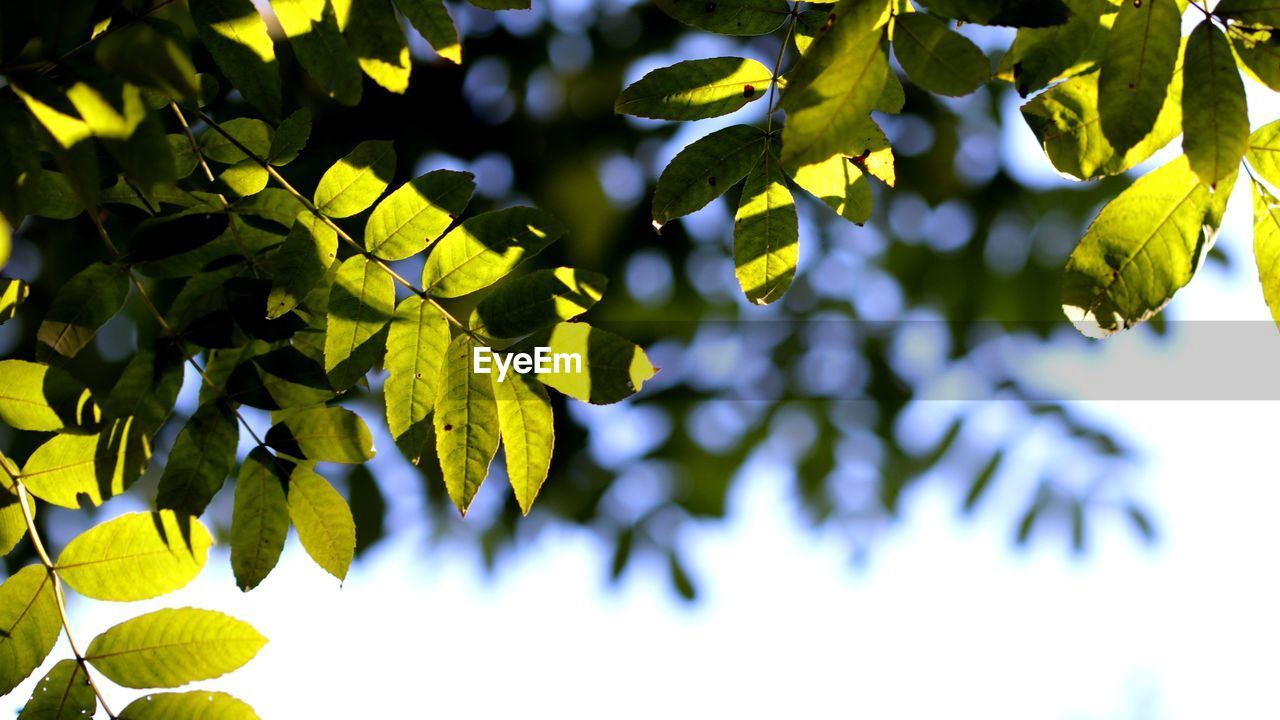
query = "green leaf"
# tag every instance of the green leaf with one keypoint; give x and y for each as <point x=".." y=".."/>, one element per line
<point x="729" y="17"/>
<point x="466" y="424"/>
<point x="1259" y="53"/>
<point x="610" y="368"/>
<point x="312" y="29"/>
<point x="19" y="165"/>
<point x="1065" y="120"/>
<point x="1016" y="13"/>
<point x="705" y="169"/>
<point x="766" y="234"/>
<point x="13" y="524"/>
<point x="378" y="41"/>
<point x="252" y="133"/>
<point x="63" y="694"/>
<point x="983" y="481"/>
<point x="361" y="303"/>
<point x="1265" y="13"/>
<point x="431" y="18"/>
<point x="52" y="196"/>
<point x="836" y="84"/>
<point x="85" y="303"/>
<point x="538" y="300"/>
<point x="1215" y="116"/>
<point x="696" y="89"/>
<point x="1266" y="246"/>
<point x="1040" y="56"/>
<point x="202" y="457"/>
<point x="418" y="212"/>
<point x="150" y="54"/>
<point x="290" y="138"/>
<point x="172" y="647"/>
<point x="136" y="556"/>
<point x="69" y="468"/>
<point x="356" y="181"/>
<point x="528" y="433"/>
<point x="1264" y="152"/>
<point x="1138" y="65"/>
<point x="237" y="38"/>
<point x="839" y="183"/>
<point x="325" y="434"/>
<point x="486" y="247"/>
<point x="259" y="519"/>
<point x="937" y="58"/>
<point x="323" y="519"/>
<point x="42" y="398"/>
<point x="1142" y="247"/>
<point x="300" y="263"/>
<point x="293" y="379"/>
<point x="416" y="346"/>
<point x="29" y="624"/>
<point x="148" y="388"/>
<point x="502" y="4"/>
<point x="52" y="108"/>
<point x="245" y="178"/>
<point x="194" y="705"/>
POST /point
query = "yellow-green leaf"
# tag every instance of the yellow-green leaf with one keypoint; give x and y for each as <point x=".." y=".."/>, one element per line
<point x="252" y="133"/>
<point x="466" y="424"/>
<point x="64" y="693"/>
<point x="85" y="303"/>
<point x="1264" y="13"/>
<point x="418" y="212"/>
<point x="528" y="433"/>
<point x="325" y="434"/>
<point x="323" y="519"/>
<point x="766" y="234"/>
<point x="237" y="38"/>
<point x="69" y="468"/>
<point x="416" y="346"/>
<point x="357" y="180"/>
<point x="1215" y="116"/>
<point x="172" y="647"/>
<point x="29" y="624"/>
<point x="607" y="369"/>
<point x="361" y="303"/>
<point x="1137" y="67"/>
<point x="1264" y="152"/>
<point x="193" y="705"/>
<point x="486" y="247"/>
<point x="374" y="33"/>
<point x="705" y="169"/>
<point x="1039" y="56"/>
<point x="431" y="18"/>
<point x="1266" y="246"/>
<point x="203" y="454"/>
<point x="308" y="251"/>
<point x="259" y="519"/>
<point x="696" y="89"/>
<point x="42" y="398"/>
<point x="136" y="556"/>
<point x="937" y="58"/>
<point x="312" y="29"/>
<point x="537" y="300"/>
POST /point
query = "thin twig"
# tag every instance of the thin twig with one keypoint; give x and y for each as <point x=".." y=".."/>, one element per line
<point x="45" y="66"/>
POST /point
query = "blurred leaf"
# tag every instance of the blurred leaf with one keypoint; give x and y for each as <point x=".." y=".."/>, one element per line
<point x="1249" y="12"/>
<point x="357" y="180"/>
<point x="85" y="303"/>
<point x="431" y="18"/>
<point x="418" y="212"/>
<point x="202" y="457"/>
<point x="937" y="58"/>
<point x="135" y="556"/>
<point x="1016" y="13"/>
<point x="680" y="578"/>
<point x="766" y="240"/>
<point x="705" y="169"/>
<point x="259" y="520"/>
<point x="486" y="247"/>
<point x="368" y="508"/>
<point x="416" y="346"/>
<point x="172" y="647"/>
<point x="193" y="705"/>
<point x="1215" y="116"/>
<point x="19" y="165"/>
<point x="324" y="434"/>
<point x="323" y="520"/>
<point x="982" y="481"/>
<point x="361" y="303"/>
<point x="528" y="434"/>
<point x="1039" y="56"/>
<point x="378" y="41"/>
<point x="1141" y="53"/>
<point x="29" y="624"/>
<point x="237" y="38"/>
<point x="252" y="133"/>
<point x="152" y="54"/>
<point x="536" y="301"/>
<point x="1141" y="522"/>
<point x="312" y="29"/>
<point x="63" y="694"/>
<point x="42" y="398"/>
<point x="696" y="89"/>
<point x="729" y="17"/>
<point x="466" y="424"/>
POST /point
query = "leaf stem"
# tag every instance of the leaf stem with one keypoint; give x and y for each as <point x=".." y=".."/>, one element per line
<point x="777" y="66"/>
<point x="45" y="66"/>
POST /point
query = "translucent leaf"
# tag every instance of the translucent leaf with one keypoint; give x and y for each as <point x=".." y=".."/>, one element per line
<point x="1016" y="13"/>
<point x="193" y="705"/>
<point x="356" y="181"/>
<point x="431" y="18"/>
<point x="301" y="262"/>
<point x="836" y="84"/>
<point x="249" y="132"/>
<point x="378" y="41"/>
<point x="259" y="519"/>
<point x="1144" y="245"/>
<point x="53" y="197"/>
<point x="42" y="398"/>
<point x="1264" y="13"/>
<point x="466" y="424"/>
<point x="361" y="303"/>
<point x="486" y="247"/>
<point x="536" y="301"/>
<point x="67" y="469"/>
<point x="13" y="524"/>
<point x="729" y="17"/>
<point x="64" y="693"/>
<point x="312" y="29"/>
<point x="1064" y="119"/>
<point x="705" y="169"/>
<point x="1264" y="152"/>
<point x="937" y="58"/>
<point x="323" y="519"/>
<point x="1138" y="65"/>
<point x="237" y="38"/>
<point x="85" y="303"/>
<point x="109" y="109"/>
<point x="135" y="556"/>
<point x="148" y="388"/>
<point x="1266" y="246"/>
<point x="245" y="178"/>
<point x="418" y="212"/>
<point x="202" y="457"/>
<point x="29" y="624"/>
<point x="610" y="368"/>
<point x="528" y="433"/>
<point x="53" y="110"/>
<point x="502" y="4"/>
<point x="416" y="346"/>
<point x="1215" y="117"/>
<point x="290" y="138"/>
<point x="1259" y="53"/>
<point x="325" y="434"/>
<point x="172" y="647"/>
<point x="292" y="379"/>
<point x="766" y="234"/>
<point x="1040" y="56"/>
<point x="696" y="89"/>
<point x="152" y="55"/>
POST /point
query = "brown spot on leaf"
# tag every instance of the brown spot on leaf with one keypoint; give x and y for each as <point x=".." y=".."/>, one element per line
<point x="711" y="180"/>
<point x="748" y="90"/>
<point x="447" y="428"/>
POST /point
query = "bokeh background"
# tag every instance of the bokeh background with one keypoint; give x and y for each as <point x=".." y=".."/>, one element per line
<point x="909" y="489"/>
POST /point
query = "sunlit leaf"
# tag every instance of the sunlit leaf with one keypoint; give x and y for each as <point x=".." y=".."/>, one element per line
<point x="1264" y="152"/>
<point x="486" y="247"/>
<point x="356" y="181"/>
<point x="85" y="303"/>
<point x="466" y="424"/>
<point x="418" y="212"/>
<point x="323" y="520"/>
<point x="431" y="18"/>
<point x="42" y="398"/>
<point x="193" y="705"/>
<point x="312" y="29"/>
<point x="64" y="693"/>
<point x="259" y="519"/>
<point x="609" y="368"/>
<point x="537" y="300"/>
<point x="202" y="456"/>
<point x="172" y="647"/>
<point x="69" y="468"/>
<point x="937" y="58"/>
<point x="361" y="303"/>
<point x="416" y="346"/>
<point x="1039" y="56"/>
<point x="135" y="556"/>
<point x="253" y="134"/>
<point x="1138" y="65"/>
<point x="1266" y="246"/>
<point x="237" y="38"/>
<point x="705" y="169"/>
<point x="1214" y="114"/>
<point x="766" y="241"/>
<point x="528" y="433"/>
<point x="29" y="624"/>
<point x="376" y="38"/>
<point x="696" y="89"/>
<point x="326" y="434"/>
<point x="301" y="262"/>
